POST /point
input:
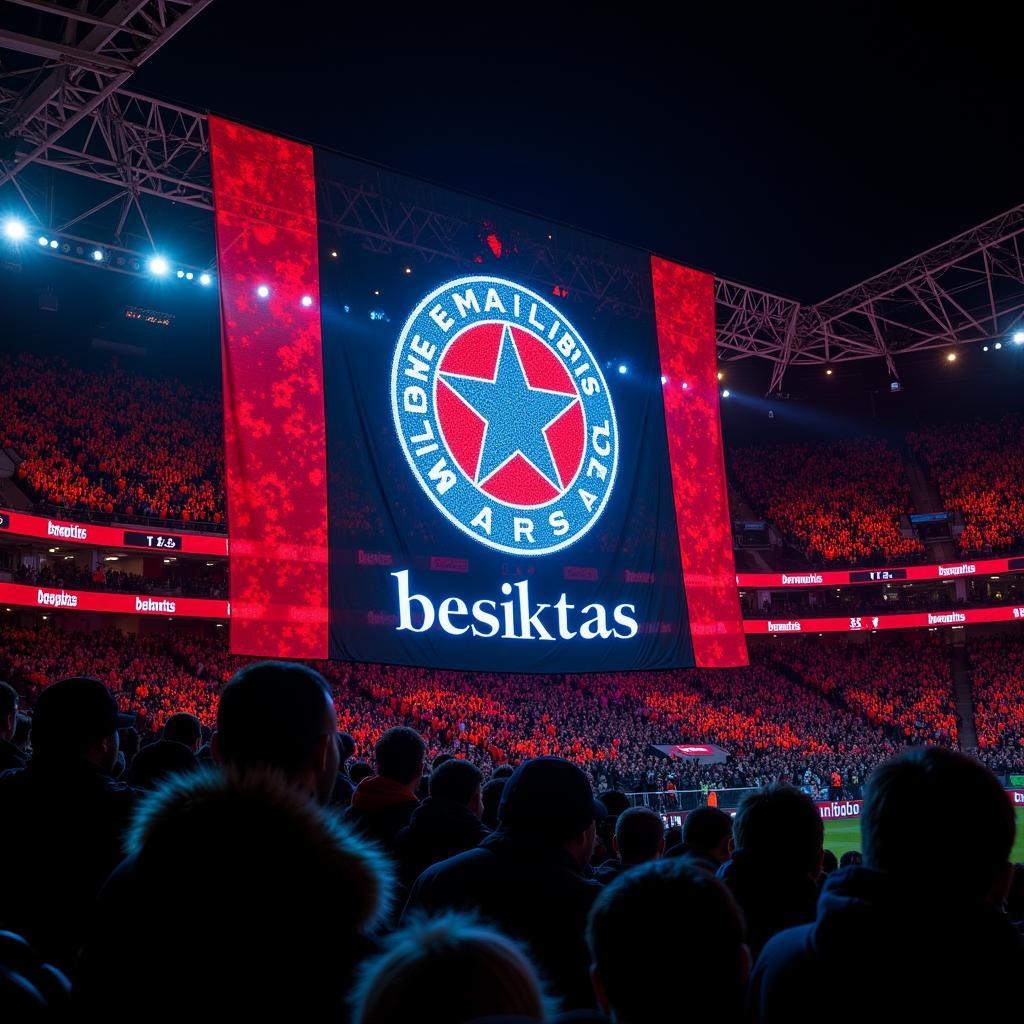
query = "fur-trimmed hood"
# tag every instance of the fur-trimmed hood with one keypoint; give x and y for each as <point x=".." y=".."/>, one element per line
<point x="254" y="833"/>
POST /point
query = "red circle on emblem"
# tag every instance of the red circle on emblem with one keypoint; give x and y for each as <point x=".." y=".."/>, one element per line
<point x="474" y="353"/>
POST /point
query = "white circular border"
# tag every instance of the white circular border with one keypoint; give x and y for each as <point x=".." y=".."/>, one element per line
<point x="396" y="417"/>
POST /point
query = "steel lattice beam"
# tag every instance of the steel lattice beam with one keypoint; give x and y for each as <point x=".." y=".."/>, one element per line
<point x="139" y="153"/>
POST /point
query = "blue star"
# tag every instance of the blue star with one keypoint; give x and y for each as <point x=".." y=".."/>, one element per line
<point x="515" y="414"/>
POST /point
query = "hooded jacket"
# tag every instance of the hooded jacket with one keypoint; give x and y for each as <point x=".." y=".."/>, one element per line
<point x="381" y="808"/>
<point x="439" y="829"/>
<point x="63" y="823"/>
<point x="534" y="891"/>
<point x="238" y="894"/>
<point x="877" y="952"/>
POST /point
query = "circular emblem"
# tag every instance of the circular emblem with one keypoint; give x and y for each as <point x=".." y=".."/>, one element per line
<point x="504" y="415"/>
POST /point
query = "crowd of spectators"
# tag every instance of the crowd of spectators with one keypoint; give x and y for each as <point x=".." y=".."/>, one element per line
<point x="979" y="471"/>
<point x="112" y="441"/>
<point x="837" y="501"/>
<point x="804" y="711"/>
<point x="900" y="684"/>
<point x="997" y="669"/>
<point x="384" y="896"/>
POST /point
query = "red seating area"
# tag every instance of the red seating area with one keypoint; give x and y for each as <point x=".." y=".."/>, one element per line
<point x="997" y="667"/>
<point x="837" y="501"/>
<point x="113" y="441"/>
<point x="902" y="684"/>
<point x="979" y="471"/>
<point x="803" y="704"/>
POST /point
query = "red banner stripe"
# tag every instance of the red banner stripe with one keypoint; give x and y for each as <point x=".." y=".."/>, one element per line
<point x="274" y="431"/>
<point x="684" y="310"/>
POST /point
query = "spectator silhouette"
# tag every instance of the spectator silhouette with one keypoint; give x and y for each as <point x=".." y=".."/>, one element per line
<point x="382" y="805"/>
<point x="445" y="824"/>
<point x="452" y="969"/>
<point x="528" y="876"/>
<point x="772" y="874"/>
<point x="639" y="837"/>
<point x="297" y="893"/>
<point x="10" y="755"/>
<point x="923" y="933"/>
<point x="63" y="818"/>
<point x="706" y="839"/>
<point x="667" y="920"/>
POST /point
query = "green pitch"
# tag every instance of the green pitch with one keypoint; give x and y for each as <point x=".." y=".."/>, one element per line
<point x="844" y="834"/>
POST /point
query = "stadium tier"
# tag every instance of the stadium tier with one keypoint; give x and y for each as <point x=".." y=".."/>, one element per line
<point x="847" y="706"/>
<point x="113" y="442"/>
<point x="838" y="502"/>
<point x="139" y="448"/>
<point x="979" y="470"/>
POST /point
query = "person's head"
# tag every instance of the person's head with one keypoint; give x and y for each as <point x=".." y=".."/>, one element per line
<point x="400" y="754"/>
<point x="549" y="800"/>
<point x="8" y="710"/>
<point x="279" y="715"/>
<point x="828" y="862"/>
<point x="903" y="799"/>
<point x="851" y="859"/>
<point x="707" y="832"/>
<point x="673" y="836"/>
<point x="184" y="728"/>
<point x="615" y="802"/>
<point x="459" y="781"/>
<point x="639" y="836"/>
<point x="781" y="828"/>
<point x="439" y="759"/>
<point x="503" y="771"/>
<point x="491" y="801"/>
<point x="160" y="760"/>
<point x="360" y="770"/>
<point x="294" y="889"/>
<point x="667" y="919"/>
<point x="346" y="748"/>
<point x="448" y="968"/>
<point x="76" y="719"/>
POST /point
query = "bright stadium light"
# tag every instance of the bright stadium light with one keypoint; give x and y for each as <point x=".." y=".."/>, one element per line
<point x="204" y="279"/>
<point x="984" y="348"/>
<point x="263" y="291"/>
<point x="97" y="255"/>
<point x="1018" y="337"/>
<point x="158" y="265"/>
<point x="43" y="240"/>
<point x="15" y="229"/>
<point x="307" y="300"/>
<point x="685" y="385"/>
<point x="54" y="244"/>
<point x="622" y="368"/>
<point x="664" y="379"/>
<point x="950" y="357"/>
<point x="725" y="393"/>
<point x="181" y="274"/>
<point x="189" y="275"/>
<point x="999" y="345"/>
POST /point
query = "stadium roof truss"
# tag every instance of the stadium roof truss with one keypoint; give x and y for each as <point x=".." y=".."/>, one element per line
<point x="63" y="107"/>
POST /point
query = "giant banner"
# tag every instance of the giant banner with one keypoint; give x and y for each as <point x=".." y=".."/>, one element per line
<point x="458" y="436"/>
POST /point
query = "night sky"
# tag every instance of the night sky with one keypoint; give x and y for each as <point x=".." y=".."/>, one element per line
<point x="796" y="151"/>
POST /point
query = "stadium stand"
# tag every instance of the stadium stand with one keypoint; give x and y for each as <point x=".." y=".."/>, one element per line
<point x="997" y="667"/>
<point x="979" y="470"/>
<point x="837" y="501"/>
<point x="848" y="706"/>
<point x="113" y="442"/>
